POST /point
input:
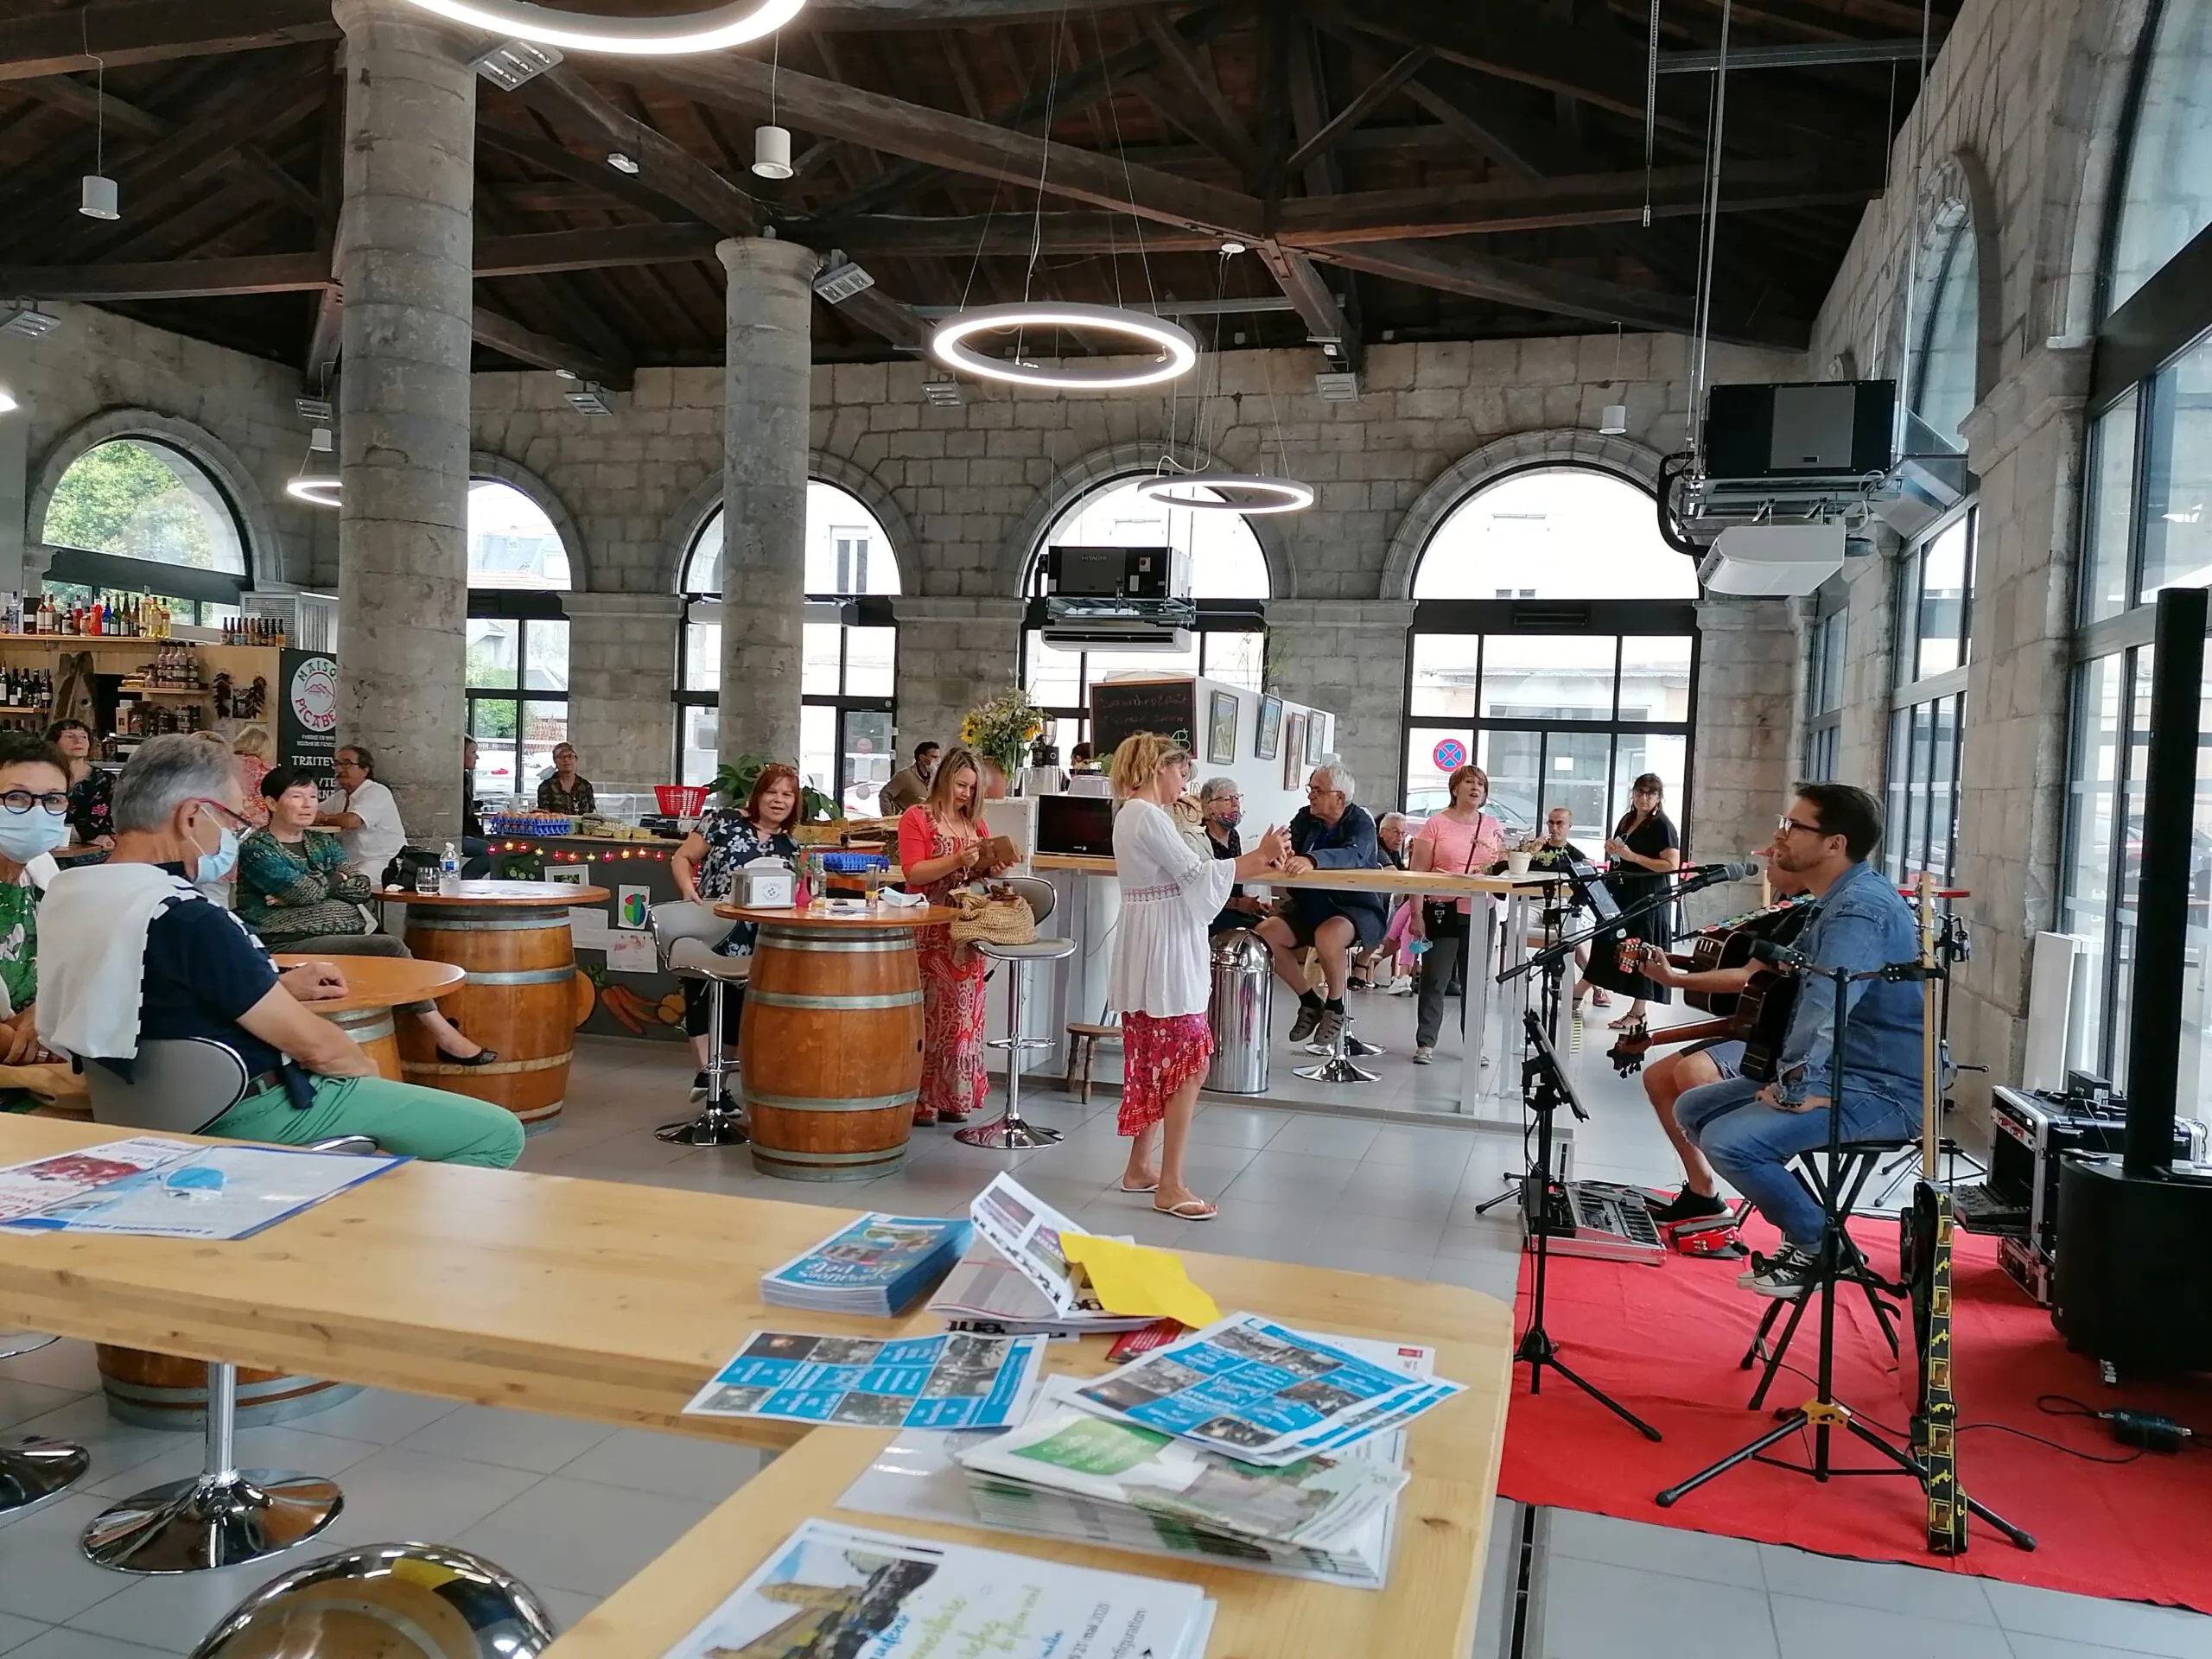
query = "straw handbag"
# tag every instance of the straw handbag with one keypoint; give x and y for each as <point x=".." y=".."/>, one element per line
<point x="989" y="916"/>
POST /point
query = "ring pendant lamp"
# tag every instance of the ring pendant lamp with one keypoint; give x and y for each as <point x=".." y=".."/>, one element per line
<point x="1177" y="351"/>
<point x="696" y="31"/>
<point x="1250" y="494"/>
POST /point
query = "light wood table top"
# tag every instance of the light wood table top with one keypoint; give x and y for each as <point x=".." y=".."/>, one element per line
<point x="1440" y="881"/>
<point x="887" y="916"/>
<point x="379" y="981"/>
<point x="522" y="894"/>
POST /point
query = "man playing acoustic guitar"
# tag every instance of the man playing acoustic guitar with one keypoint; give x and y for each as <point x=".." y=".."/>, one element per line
<point x="1750" y="1131"/>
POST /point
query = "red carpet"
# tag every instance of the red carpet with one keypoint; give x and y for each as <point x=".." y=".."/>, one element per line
<point x="1665" y="1342"/>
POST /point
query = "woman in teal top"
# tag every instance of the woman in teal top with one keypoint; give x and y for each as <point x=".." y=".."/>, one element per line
<point x="297" y="892"/>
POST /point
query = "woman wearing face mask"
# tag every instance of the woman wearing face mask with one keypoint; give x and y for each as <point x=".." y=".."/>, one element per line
<point x="297" y="893"/>
<point x="91" y="787"/>
<point x="34" y="805"/>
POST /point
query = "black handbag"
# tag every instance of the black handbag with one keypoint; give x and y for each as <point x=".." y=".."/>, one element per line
<point x="1442" y="917"/>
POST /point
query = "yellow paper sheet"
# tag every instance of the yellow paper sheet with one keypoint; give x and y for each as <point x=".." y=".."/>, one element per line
<point x="1132" y="1279"/>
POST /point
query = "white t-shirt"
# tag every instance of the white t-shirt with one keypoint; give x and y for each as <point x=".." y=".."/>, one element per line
<point x="372" y="846"/>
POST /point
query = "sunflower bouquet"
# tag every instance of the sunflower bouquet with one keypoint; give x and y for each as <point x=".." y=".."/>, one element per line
<point x="1004" y="727"/>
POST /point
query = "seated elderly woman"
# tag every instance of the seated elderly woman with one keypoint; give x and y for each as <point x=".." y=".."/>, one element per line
<point x="139" y="923"/>
<point x="33" y="821"/>
<point x="297" y="891"/>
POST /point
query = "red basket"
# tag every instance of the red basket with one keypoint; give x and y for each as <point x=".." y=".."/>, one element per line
<point x="681" y="800"/>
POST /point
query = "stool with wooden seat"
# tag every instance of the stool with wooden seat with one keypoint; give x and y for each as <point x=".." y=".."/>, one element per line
<point x="1009" y="1133"/>
<point x="1837" y="1188"/>
<point x="386" y="1599"/>
<point x="1083" y="1038"/>
<point x="224" y="1515"/>
<point x="686" y="934"/>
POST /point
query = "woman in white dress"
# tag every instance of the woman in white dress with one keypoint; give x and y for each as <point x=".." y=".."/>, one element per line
<point x="1170" y="890"/>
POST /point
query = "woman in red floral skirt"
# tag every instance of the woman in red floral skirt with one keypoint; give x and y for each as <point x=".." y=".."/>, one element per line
<point x="940" y="849"/>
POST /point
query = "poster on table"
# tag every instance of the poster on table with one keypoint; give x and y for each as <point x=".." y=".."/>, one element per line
<point x="307" y="714"/>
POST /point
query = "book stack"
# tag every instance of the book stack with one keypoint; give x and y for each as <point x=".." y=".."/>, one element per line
<point x="835" y="1590"/>
<point x="878" y="1266"/>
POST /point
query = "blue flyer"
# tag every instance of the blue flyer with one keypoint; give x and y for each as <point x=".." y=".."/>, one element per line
<point x="941" y="1382"/>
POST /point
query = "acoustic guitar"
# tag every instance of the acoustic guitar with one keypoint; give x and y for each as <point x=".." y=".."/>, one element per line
<point x="1758" y="1015"/>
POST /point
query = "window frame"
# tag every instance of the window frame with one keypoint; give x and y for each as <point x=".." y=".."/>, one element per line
<point x="1215" y="616"/>
<point x="1826" y="655"/>
<point x="84" y="567"/>
<point x="1917" y="703"/>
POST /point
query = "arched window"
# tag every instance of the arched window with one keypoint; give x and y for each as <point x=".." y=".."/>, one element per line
<point x="517" y="643"/>
<point x="1227" y="574"/>
<point x="140" y="515"/>
<point x="849" y="650"/>
<point x="1947" y="329"/>
<point x="1554" y="643"/>
<point x="2165" y="195"/>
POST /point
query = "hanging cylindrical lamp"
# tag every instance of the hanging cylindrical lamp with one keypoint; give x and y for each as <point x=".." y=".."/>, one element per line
<point x="1612" y="422"/>
<point x="97" y="198"/>
<point x="771" y="152"/>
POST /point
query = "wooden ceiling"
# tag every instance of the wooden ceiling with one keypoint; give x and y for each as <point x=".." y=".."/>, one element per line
<point x="1403" y="169"/>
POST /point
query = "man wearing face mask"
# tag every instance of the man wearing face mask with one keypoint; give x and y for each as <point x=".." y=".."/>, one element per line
<point x="1221" y="807"/>
<point x="131" y="952"/>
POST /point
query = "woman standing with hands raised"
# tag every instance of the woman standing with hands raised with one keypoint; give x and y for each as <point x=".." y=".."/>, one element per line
<point x="941" y="848"/>
<point x="1161" y="983"/>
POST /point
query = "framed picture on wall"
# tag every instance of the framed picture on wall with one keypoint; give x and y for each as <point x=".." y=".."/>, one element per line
<point x="1221" y="730"/>
<point x="1270" y="735"/>
<point x="1317" y="737"/>
<point x="1293" y="752"/>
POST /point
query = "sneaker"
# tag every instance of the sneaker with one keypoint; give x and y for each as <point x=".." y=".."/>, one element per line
<point x="1787" y="1274"/>
<point x="1309" y="1018"/>
<point x="1424" y="1054"/>
<point x="1686" y="1205"/>
<point x="1403" y="986"/>
<point x="1329" y="1026"/>
<point x="699" y="1085"/>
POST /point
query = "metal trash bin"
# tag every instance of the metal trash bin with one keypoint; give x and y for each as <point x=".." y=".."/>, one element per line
<point x="1243" y="1001"/>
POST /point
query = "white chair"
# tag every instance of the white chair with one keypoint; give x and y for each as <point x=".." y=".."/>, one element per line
<point x="389" y="1599"/>
<point x="685" y="935"/>
<point x="1010" y="1132"/>
<point x="224" y="1515"/>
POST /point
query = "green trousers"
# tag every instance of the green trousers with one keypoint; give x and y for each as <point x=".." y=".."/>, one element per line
<point x="401" y="1117"/>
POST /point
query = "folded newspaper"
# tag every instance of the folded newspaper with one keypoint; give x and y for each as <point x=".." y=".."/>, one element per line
<point x="986" y="1293"/>
<point x="1026" y="1230"/>
<point x="837" y="1591"/>
<point x="877" y="1266"/>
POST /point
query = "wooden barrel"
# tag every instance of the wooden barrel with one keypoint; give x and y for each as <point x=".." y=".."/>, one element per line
<point x="519" y="1000"/>
<point x="159" y="1391"/>
<point x="832" y="1044"/>
<point x="376" y="1034"/>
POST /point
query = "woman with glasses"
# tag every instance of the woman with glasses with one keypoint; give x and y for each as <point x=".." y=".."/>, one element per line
<point x="33" y="821"/>
<point x="1646" y="850"/>
<point x="91" y="788"/>
<point x="297" y="892"/>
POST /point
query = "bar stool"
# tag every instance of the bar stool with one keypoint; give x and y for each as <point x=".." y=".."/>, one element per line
<point x="1339" y="1066"/>
<point x="1083" y="1038"/>
<point x="1010" y="1132"/>
<point x="224" y="1515"/>
<point x="386" y="1599"/>
<point x="685" y="935"/>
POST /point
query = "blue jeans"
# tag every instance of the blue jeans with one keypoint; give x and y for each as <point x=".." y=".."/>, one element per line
<point x="1751" y="1144"/>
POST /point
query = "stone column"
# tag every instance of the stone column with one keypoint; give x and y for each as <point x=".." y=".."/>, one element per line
<point x="1742" y="743"/>
<point x="621" y="662"/>
<point x="404" y="253"/>
<point x="1348" y="656"/>
<point x="953" y="654"/>
<point x="767" y="383"/>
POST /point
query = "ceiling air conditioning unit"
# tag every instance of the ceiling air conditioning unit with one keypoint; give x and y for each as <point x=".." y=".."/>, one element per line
<point x="1109" y="633"/>
<point x="1772" y="560"/>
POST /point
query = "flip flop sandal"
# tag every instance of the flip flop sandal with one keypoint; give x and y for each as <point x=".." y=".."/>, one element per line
<point x="1189" y="1210"/>
<point x="1155" y="1187"/>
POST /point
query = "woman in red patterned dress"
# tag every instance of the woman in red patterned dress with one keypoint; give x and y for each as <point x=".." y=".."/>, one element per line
<point x="941" y="848"/>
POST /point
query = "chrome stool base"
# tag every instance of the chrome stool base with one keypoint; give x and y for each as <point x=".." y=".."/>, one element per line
<point x="1339" y="1067"/>
<point x="34" y="1469"/>
<point x="717" y="1126"/>
<point x="14" y="1344"/>
<point x="1008" y="1133"/>
<point x="388" y="1599"/>
<point x="212" y="1521"/>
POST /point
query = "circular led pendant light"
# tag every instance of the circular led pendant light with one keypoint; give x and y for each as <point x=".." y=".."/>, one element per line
<point x="1250" y="494"/>
<point x="696" y="31"/>
<point x="1176" y="351"/>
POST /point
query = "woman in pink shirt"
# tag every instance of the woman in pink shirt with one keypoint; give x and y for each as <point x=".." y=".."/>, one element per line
<point x="1464" y="840"/>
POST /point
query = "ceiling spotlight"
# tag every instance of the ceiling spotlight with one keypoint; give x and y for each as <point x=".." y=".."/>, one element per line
<point x="1250" y="494"/>
<point x="589" y="398"/>
<point x="771" y="152"/>
<point x="567" y="374"/>
<point x="8" y="404"/>
<point x="97" y="198"/>
<point x="510" y="64"/>
<point x="839" y="282"/>
<point x="31" y="323"/>
<point x="620" y="163"/>
<point x="697" y="31"/>
<point x="1175" y="351"/>
<point x="1232" y="246"/>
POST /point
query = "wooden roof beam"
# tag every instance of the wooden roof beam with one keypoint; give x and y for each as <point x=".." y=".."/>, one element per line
<point x="124" y="32"/>
<point x="664" y="167"/>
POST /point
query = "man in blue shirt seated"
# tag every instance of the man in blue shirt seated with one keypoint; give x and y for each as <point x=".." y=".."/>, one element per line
<point x="1331" y="832"/>
<point x="1749" y="1131"/>
<point x="201" y="975"/>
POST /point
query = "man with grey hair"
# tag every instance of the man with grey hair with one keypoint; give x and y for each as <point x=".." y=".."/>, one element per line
<point x="137" y="954"/>
<point x="1221" y="808"/>
<point x="1331" y="832"/>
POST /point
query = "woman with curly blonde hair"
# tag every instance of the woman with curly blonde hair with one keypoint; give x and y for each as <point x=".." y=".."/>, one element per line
<point x="941" y="848"/>
<point x="1170" y="890"/>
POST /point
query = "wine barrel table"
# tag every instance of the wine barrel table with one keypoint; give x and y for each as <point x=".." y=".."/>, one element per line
<point x="511" y="939"/>
<point x="832" y="1040"/>
<point x="374" y="987"/>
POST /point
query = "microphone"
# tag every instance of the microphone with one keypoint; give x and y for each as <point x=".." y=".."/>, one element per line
<point x="1742" y="870"/>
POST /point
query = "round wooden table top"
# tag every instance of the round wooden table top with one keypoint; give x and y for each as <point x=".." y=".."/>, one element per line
<point x="520" y="894"/>
<point x="381" y="982"/>
<point x="887" y="916"/>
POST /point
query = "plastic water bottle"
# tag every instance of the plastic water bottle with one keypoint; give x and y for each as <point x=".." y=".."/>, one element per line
<point x="449" y="869"/>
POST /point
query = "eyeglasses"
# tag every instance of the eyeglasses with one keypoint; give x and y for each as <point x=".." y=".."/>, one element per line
<point x="19" y="801"/>
<point x="344" y="765"/>
<point x="1321" y="789"/>
<point x="236" y="819"/>
<point x="1790" y="826"/>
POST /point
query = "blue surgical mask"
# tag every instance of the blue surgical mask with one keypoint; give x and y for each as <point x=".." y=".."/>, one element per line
<point x="214" y="866"/>
<point x="1230" y="820"/>
<point x="26" y="835"/>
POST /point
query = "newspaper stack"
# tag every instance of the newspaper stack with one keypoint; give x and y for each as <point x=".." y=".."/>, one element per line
<point x="1018" y="1281"/>
<point x="877" y="1266"/>
<point x="830" y="1589"/>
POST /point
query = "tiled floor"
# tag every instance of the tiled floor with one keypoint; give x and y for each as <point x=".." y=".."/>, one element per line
<point x="574" y="1508"/>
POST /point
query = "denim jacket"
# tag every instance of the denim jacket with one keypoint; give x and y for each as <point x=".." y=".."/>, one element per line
<point x="1862" y="924"/>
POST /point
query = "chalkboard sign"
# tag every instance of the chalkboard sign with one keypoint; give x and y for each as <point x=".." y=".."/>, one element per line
<point x="1120" y="708"/>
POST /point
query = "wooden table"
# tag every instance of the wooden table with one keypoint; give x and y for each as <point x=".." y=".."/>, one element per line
<point x="612" y="1303"/>
<point x="512" y="939"/>
<point x="832" y="1039"/>
<point x="374" y="987"/>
